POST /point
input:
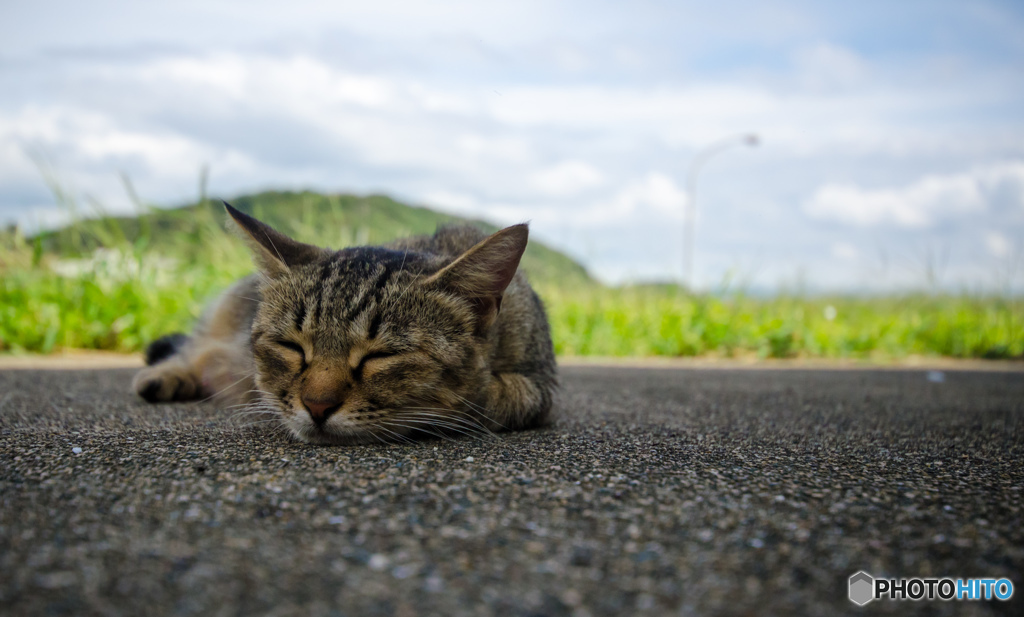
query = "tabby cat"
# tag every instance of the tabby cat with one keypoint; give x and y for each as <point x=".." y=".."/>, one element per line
<point x="427" y="335"/>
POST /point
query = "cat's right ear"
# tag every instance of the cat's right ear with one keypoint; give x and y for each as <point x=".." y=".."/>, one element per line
<point x="482" y="273"/>
<point x="274" y="252"/>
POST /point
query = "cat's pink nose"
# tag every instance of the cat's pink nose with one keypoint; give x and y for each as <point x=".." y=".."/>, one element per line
<point x="321" y="408"/>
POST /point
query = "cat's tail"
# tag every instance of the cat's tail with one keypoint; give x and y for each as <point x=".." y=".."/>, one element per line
<point x="165" y="347"/>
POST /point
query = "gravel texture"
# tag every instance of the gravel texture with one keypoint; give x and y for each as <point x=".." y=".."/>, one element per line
<point x="656" y="491"/>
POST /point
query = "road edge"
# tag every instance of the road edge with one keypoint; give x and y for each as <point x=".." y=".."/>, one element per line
<point x="87" y="359"/>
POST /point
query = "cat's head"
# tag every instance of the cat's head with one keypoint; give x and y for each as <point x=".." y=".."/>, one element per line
<point x="374" y="344"/>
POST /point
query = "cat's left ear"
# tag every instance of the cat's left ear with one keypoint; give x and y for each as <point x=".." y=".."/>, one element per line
<point x="482" y="273"/>
<point x="274" y="252"/>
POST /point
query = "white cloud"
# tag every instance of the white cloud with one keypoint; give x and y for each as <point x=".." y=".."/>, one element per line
<point x="567" y="178"/>
<point x="701" y="109"/>
<point x="998" y="245"/>
<point x="295" y="84"/>
<point x="451" y="201"/>
<point x="827" y="67"/>
<point x="845" y="251"/>
<point x="930" y="200"/>
<point x="94" y="138"/>
<point x="655" y="196"/>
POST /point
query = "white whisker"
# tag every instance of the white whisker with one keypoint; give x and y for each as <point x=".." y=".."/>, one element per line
<point x="399" y="436"/>
<point x="451" y="415"/>
<point x="485" y="413"/>
<point x="444" y="423"/>
<point x="423" y="430"/>
<point x="222" y="390"/>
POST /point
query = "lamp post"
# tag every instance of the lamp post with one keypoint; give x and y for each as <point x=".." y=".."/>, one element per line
<point x="690" y="214"/>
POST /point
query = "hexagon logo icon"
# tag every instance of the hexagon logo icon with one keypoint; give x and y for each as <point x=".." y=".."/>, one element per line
<point x="861" y="585"/>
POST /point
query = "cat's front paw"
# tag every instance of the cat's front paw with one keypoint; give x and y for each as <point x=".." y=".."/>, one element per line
<point x="162" y="383"/>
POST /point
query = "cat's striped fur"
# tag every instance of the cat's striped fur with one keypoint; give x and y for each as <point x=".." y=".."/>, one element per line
<point x="434" y="334"/>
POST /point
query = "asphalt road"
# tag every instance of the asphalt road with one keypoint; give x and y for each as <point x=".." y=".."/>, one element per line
<point x="657" y="491"/>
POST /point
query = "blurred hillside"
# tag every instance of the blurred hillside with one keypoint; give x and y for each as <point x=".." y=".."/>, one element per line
<point x="332" y="221"/>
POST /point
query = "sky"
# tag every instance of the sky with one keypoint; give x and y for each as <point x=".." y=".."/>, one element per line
<point x="890" y="148"/>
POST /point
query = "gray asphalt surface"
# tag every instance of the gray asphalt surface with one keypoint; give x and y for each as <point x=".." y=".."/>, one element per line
<point x="657" y="491"/>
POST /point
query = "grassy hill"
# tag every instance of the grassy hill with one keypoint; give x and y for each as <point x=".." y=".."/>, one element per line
<point x="333" y="221"/>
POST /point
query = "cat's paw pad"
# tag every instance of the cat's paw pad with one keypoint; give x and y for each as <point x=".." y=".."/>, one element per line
<point x="156" y="386"/>
<point x="150" y="389"/>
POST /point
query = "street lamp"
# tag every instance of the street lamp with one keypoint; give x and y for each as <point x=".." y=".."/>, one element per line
<point x="690" y="214"/>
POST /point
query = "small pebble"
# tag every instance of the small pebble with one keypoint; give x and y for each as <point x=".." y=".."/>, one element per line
<point x="76" y="450"/>
<point x="936" y="376"/>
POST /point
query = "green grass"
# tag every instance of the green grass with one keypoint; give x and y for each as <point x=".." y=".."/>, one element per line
<point x="117" y="283"/>
<point x="666" y="321"/>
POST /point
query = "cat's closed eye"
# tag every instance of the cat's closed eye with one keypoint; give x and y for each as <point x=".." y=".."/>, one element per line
<point x="295" y="347"/>
<point x="374" y="355"/>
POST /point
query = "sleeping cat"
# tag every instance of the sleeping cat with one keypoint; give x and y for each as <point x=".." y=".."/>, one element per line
<point x="426" y="335"/>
